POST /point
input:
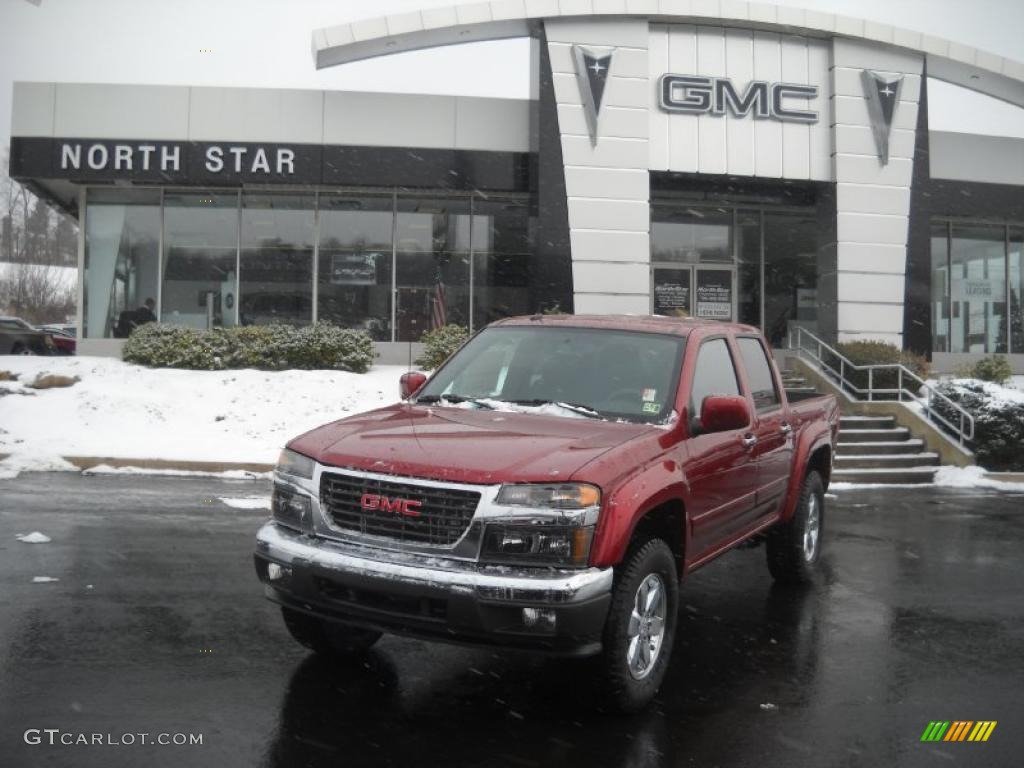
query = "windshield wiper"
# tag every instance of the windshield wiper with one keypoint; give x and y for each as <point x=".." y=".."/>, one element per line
<point x="583" y="410"/>
<point x="455" y="400"/>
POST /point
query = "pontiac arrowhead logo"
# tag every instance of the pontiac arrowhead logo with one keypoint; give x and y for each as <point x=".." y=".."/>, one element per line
<point x="592" y="74"/>
<point x="882" y="93"/>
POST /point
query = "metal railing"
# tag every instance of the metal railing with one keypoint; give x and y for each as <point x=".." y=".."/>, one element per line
<point x="839" y="367"/>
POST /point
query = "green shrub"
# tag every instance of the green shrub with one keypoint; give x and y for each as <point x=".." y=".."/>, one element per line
<point x="439" y="344"/>
<point x="994" y="368"/>
<point x="268" y="347"/>
<point x="877" y="353"/>
<point x="998" y="422"/>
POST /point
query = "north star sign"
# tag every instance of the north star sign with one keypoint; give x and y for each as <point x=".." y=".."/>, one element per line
<point x="697" y="95"/>
<point x="101" y="156"/>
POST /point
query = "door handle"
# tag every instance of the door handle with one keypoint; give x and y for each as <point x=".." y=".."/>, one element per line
<point x="748" y="441"/>
<point x="785" y="428"/>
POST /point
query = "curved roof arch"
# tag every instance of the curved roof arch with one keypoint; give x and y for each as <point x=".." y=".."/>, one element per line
<point x="500" y="19"/>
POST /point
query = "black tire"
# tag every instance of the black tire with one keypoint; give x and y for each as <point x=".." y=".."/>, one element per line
<point x="794" y="548"/>
<point x="327" y="637"/>
<point x="21" y="349"/>
<point x="624" y="689"/>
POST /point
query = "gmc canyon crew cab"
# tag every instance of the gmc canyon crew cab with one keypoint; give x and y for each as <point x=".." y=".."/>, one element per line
<point x="548" y="488"/>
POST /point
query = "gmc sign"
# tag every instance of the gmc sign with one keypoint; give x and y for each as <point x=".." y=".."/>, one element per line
<point x="373" y="502"/>
<point x="717" y="95"/>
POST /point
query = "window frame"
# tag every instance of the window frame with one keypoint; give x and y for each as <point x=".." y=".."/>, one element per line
<point x="771" y="373"/>
<point x="695" y="414"/>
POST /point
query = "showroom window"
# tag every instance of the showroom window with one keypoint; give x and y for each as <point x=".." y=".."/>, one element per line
<point x="501" y="259"/>
<point x="976" y="288"/>
<point x="432" y="254"/>
<point x="276" y="265"/>
<point x="394" y="265"/>
<point x="122" y="260"/>
<point x="200" y="275"/>
<point x="354" y="270"/>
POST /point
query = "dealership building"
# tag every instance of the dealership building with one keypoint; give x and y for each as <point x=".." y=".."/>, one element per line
<point x="727" y="160"/>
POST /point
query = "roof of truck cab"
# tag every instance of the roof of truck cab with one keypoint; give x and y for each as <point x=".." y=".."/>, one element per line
<point x="647" y="323"/>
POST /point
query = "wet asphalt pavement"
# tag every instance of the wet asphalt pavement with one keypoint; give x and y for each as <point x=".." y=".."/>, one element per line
<point x="920" y="617"/>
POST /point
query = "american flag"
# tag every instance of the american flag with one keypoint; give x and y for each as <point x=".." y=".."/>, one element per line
<point x="437" y="317"/>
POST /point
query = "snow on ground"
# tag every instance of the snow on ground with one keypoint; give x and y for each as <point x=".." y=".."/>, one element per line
<point x="248" y="502"/>
<point x="945" y="477"/>
<point x="33" y="538"/>
<point x="127" y="411"/>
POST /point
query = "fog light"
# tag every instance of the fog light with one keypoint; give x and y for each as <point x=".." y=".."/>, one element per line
<point x="543" y="619"/>
<point x="277" y="572"/>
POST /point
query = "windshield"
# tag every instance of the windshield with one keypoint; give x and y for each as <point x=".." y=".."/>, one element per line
<point x="583" y="372"/>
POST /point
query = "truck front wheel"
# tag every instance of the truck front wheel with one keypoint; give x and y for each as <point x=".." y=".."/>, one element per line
<point x="794" y="548"/>
<point x="641" y="624"/>
<point x="327" y="637"/>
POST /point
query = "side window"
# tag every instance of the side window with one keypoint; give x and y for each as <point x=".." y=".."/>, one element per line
<point x="759" y="374"/>
<point x="715" y="374"/>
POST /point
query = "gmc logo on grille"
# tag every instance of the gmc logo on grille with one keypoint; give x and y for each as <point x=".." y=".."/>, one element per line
<point x="407" y="507"/>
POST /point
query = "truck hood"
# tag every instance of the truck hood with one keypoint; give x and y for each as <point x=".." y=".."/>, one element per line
<point x="465" y="445"/>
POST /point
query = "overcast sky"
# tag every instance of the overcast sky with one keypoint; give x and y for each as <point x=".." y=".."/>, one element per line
<point x="267" y="43"/>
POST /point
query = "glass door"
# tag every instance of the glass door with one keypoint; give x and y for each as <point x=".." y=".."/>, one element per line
<point x="715" y="293"/>
<point x="671" y="290"/>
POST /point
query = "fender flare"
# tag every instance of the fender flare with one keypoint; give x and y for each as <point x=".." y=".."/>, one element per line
<point x="806" y="448"/>
<point x="616" y="526"/>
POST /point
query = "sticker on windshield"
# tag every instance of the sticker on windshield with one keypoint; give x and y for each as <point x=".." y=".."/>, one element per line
<point x="651" y="408"/>
<point x="649" y="395"/>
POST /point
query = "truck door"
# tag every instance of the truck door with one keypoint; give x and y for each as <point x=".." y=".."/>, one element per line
<point x="773" y="451"/>
<point x="720" y="468"/>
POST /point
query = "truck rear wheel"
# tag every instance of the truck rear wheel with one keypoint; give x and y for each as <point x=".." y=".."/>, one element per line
<point x="326" y="637"/>
<point x="794" y="548"/>
<point x="640" y="628"/>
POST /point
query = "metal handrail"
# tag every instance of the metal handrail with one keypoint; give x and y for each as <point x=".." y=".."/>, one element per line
<point x="964" y="431"/>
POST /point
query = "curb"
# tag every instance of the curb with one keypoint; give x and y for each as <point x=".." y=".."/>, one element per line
<point x="88" y="462"/>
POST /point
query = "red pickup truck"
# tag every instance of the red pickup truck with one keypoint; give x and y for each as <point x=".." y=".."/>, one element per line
<point x="548" y="488"/>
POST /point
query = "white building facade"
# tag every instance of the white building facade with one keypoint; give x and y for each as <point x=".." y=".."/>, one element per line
<point x="726" y="160"/>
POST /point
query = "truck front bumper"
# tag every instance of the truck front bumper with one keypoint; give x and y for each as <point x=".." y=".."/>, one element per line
<point x="540" y="609"/>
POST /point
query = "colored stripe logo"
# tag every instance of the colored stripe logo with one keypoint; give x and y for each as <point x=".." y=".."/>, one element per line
<point x="958" y="730"/>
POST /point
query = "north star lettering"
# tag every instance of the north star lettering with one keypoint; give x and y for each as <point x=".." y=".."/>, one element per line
<point x="239" y="159"/>
<point x="122" y="157"/>
<point x="168" y="158"/>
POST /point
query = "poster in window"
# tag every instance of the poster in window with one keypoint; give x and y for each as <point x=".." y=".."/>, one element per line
<point x="354" y="268"/>
<point x="672" y="292"/>
<point x="714" y="294"/>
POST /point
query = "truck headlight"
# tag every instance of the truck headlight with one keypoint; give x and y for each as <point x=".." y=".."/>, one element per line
<point x="550" y="496"/>
<point x="536" y="544"/>
<point x="295" y="464"/>
<point x="290" y="508"/>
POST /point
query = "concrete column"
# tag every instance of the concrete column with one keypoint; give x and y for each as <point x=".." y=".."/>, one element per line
<point x="872" y="199"/>
<point x="607" y="183"/>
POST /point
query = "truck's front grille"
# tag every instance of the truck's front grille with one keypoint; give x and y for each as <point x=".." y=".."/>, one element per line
<point x="438" y="516"/>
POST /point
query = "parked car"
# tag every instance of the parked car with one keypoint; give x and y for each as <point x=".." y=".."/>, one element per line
<point x="548" y="488"/>
<point x="19" y="338"/>
<point x="64" y="338"/>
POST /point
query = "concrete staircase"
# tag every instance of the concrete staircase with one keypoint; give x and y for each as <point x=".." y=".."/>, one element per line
<point x="873" y="449"/>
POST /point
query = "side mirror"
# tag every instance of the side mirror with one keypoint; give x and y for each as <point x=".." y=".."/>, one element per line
<point x="723" y="413"/>
<point x="411" y="383"/>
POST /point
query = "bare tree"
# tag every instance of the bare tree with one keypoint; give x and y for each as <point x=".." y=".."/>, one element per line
<point x="37" y="245"/>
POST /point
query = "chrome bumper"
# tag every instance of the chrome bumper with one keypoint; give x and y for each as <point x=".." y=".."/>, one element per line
<point x="492" y="583"/>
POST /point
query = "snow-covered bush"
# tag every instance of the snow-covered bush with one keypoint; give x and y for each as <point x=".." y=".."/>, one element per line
<point x="268" y="347"/>
<point x="439" y="344"/>
<point x="998" y="421"/>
